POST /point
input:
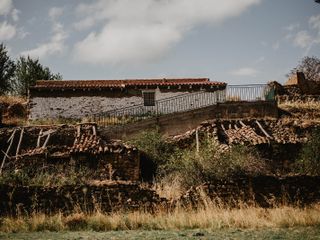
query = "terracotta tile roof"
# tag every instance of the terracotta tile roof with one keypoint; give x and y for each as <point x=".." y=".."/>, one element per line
<point x="78" y="84"/>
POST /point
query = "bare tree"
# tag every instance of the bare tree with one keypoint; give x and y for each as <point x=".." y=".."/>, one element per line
<point x="310" y="66"/>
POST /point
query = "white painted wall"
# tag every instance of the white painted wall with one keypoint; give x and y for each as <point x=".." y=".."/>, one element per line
<point x="76" y="107"/>
<point x="79" y="107"/>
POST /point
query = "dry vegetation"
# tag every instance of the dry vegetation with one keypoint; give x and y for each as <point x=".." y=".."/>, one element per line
<point x="300" y="109"/>
<point x="208" y="216"/>
<point x="13" y="110"/>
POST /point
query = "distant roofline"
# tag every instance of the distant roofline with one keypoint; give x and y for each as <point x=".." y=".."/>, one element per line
<point x="93" y="84"/>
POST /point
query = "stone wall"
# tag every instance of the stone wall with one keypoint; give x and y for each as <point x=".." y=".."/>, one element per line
<point x="266" y="191"/>
<point x="77" y="106"/>
<point x="298" y="98"/>
<point x="106" y="197"/>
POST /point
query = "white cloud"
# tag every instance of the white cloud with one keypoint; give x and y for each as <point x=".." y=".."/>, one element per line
<point x="55" y="12"/>
<point x="56" y="43"/>
<point x="307" y="38"/>
<point x="54" y="46"/>
<point x="245" y="72"/>
<point x="5" y="7"/>
<point x="15" y="15"/>
<point x="302" y="39"/>
<point x="292" y="27"/>
<point x="144" y="30"/>
<point x="22" y="33"/>
<point x="314" y="22"/>
<point x="7" y="31"/>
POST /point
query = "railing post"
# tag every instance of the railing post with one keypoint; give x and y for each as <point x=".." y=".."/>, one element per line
<point x="157" y="108"/>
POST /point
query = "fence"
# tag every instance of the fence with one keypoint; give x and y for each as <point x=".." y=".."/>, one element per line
<point x="254" y="92"/>
<point x="185" y="102"/>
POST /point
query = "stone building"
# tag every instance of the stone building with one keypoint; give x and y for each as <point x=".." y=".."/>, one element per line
<point x="82" y="98"/>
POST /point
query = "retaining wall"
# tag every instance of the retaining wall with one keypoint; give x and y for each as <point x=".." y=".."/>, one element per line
<point x="178" y="123"/>
<point x="266" y="191"/>
<point x="106" y="197"/>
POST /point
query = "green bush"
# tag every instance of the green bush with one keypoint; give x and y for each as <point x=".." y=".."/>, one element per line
<point x="195" y="168"/>
<point x="53" y="177"/>
<point x="154" y="146"/>
<point x="309" y="159"/>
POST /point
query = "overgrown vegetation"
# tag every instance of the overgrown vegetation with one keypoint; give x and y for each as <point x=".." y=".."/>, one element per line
<point x="195" y="168"/>
<point x="190" y="168"/>
<point x="309" y="159"/>
<point x="154" y="146"/>
<point x="45" y="177"/>
<point x="54" y="121"/>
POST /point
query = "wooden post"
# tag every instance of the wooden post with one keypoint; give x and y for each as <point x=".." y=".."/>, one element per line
<point x="8" y="149"/>
<point x="197" y="141"/>
<point x="47" y="140"/>
<point x="264" y="131"/>
<point x="20" y="140"/>
<point x="94" y="131"/>
<point x="39" y="138"/>
<point x="78" y="130"/>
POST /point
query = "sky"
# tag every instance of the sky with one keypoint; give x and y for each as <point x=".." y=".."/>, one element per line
<point x="233" y="41"/>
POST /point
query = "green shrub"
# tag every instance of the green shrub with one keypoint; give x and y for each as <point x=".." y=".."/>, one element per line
<point x="309" y="159"/>
<point x="195" y="168"/>
<point x="53" y="177"/>
<point x="154" y="146"/>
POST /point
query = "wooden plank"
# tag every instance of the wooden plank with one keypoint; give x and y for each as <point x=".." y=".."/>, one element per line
<point x="264" y="131"/>
<point x="7" y="152"/>
<point x="39" y="138"/>
<point x="12" y="135"/>
<point x="46" y="142"/>
<point x="19" y="143"/>
<point x="78" y="130"/>
<point x="94" y="130"/>
<point x="50" y="131"/>
<point x="243" y="125"/>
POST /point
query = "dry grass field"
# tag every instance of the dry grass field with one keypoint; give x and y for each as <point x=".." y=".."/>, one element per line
<point x="208" y="216"/>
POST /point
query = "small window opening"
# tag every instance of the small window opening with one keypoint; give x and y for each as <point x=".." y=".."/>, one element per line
<point x="149" y="98"/>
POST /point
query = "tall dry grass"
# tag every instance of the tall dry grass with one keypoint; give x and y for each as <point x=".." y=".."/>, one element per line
<point x="10" y="100"/>
<point x="311" y="105"/>
<point x="208" y="216"/>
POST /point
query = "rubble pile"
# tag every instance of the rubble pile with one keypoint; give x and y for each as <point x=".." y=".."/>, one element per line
<point x="72" y="147"/>
<point x="247" y="132"/>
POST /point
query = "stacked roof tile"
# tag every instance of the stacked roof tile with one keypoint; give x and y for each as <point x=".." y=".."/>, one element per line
<point x="78" y="84"/>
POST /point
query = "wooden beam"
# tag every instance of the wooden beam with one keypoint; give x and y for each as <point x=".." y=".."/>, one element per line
<point x="94" y="131"/>
<point x="261" y="128"/>
<point x="19" y="143"/>
<point x="8" y="149"/>
<point x="78" y="130"/>
<point x="50" y="131"/>
<point x="39" y="138"/>
<point x="46" y="142"/>
<point x="242" y="124"/>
